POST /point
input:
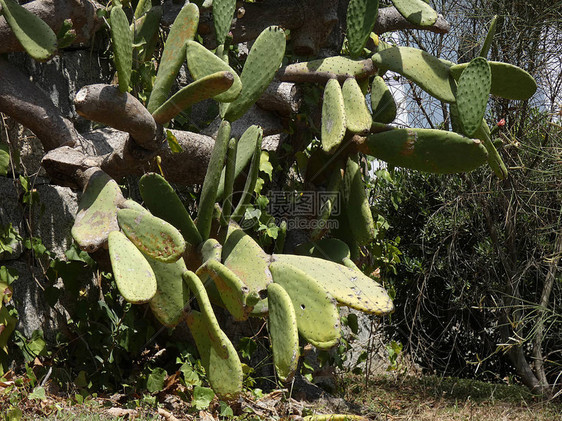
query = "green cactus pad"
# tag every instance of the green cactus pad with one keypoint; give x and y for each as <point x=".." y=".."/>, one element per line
<point x="212" y="178"/>
<point x="210" y="250"/>
<point x="122" y="40"/>
<point x="97" y="212"/>
<point x="172" y="293"/>
<point x="357" y="116"/>
<point x="245" y="149"/>
<point x="318" y="320"/>
<point x="332" y="249"/>
<point x="196" y="286"/>
<point x="330" y="202"/>
<point x="201" y="62"/>
<point x="133" y="275"/>
<point x="333" y="117"/>
<point x="361" y="17"/>
<point x="283" y="332"/>
<point x="427" y="71"/>
<point x="143" y="6"/>
<point x="251" y="181"/>
<point x="131" y="204"/>
<point x="348" y="286"/>
<point x="234" y="293"/>
<point x="183" y="30"/>
<point x="417" y="12"/>
<point x="473" y="91"/>
<point x="35" y="36"/>
<point x="343" y="232"/>
<point x="146" y="33"/>
<point x="226" y="183"/>
<point x="494" y="159"/>
<point x="197" y="91"/>
<point x="161" y="199"/>
<point x="357" y="204"/>
<point x="243" y="256"/>
<point x="489" y="37"/>
<point x="260" y="67"/>
<point x="153" y="236"/>
<point x="329" y="68"/>
<point x="508" y="81"/>
<point x="223" y="12"/>
<point x="429" y="150"/>
<point x="382" y="102"/>
<point x="224" y="374"/>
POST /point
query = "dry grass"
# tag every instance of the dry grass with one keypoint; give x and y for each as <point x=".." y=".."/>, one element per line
<point x="432" y="398"/>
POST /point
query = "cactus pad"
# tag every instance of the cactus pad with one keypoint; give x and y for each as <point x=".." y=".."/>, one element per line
<point x="161" y="199"/>
<point x="260" y="67"/>
<point x="234" y="293"/>
<point x="472" y="94"/>
<point x="508" y="81"/>
<point x="417" y="12"/>
<point x="204" y="88"/>
<point x="316" y="312"/>
<point x="224" y="373"/>
<point x="212" y="178"/>
<point x="357" y="204"/>
<point x="153" y="236"/>
<point x="361" y="17"/>
<point x="172" y="294"/>
<point x="243" y="256"/>
<point x="429" y="150"/>
<point x="382" y="102"/>
<point x="283" y="332"/>
<point x="357" y="116"/>
<point x="348" y="286"/>
<point x="201" y="62"/>
<point x="427" y="71"/>
<point x="122" y="39"/>
<point x="489" y="37"/>
<point x="133" y="275"/>
<point x="223" y="12"/>
<point x="97" y="212"/>
<point x="35" y="36"/>
<point x="196" y="286"/>
<point x="332" y="249"/>
<point x="322" y="70"/>
<point x="183" y="29"/>
<point x="245" y="149"/>
<point x="131" y="204"/>
<point x="146" y="32"/>
<point x="333" y="117"/>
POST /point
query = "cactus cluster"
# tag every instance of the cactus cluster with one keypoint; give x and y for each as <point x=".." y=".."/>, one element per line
<point x="162" y="256"/>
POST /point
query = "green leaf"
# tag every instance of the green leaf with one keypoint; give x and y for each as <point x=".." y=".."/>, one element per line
<point x="4" y="159"/>
<point x="38" y="393"/>
<point x="14" y="414"/>
<point x="189" y="375"/>
<point x="225" y="410"/>
<point x="156" y="378"/>
<point x="265" y="165"/>
<point x="353" y="323"/>
<point x="173" y="142"/>
<point x="202" y="397"/>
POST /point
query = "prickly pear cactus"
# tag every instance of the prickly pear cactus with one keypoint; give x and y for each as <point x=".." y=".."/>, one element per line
<point x="133" y="275"/>
<point x="35" y="36"/>
<point x="425" y="70"/>
<point x="508" y="81"/>
<point x="357" y="116"/>
<point x="317" y="316"/>
<point x="472" y="94"/>
<point x="333" y="117"/>
<point x="153" y="236"/>
<point x="201" y="62"/>
<point x="223" y="12"/>
<point x="283" y="332"/>
<point x="382" y="102"/>
<point x="260" y="67"/>
<point x="428" y="150"/>
<point x="122" y="39"/>
<point x="361" y="17"/>
<point x="417" y="12"/>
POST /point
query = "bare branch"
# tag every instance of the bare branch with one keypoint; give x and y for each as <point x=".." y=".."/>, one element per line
<point x="106" y="104"/>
